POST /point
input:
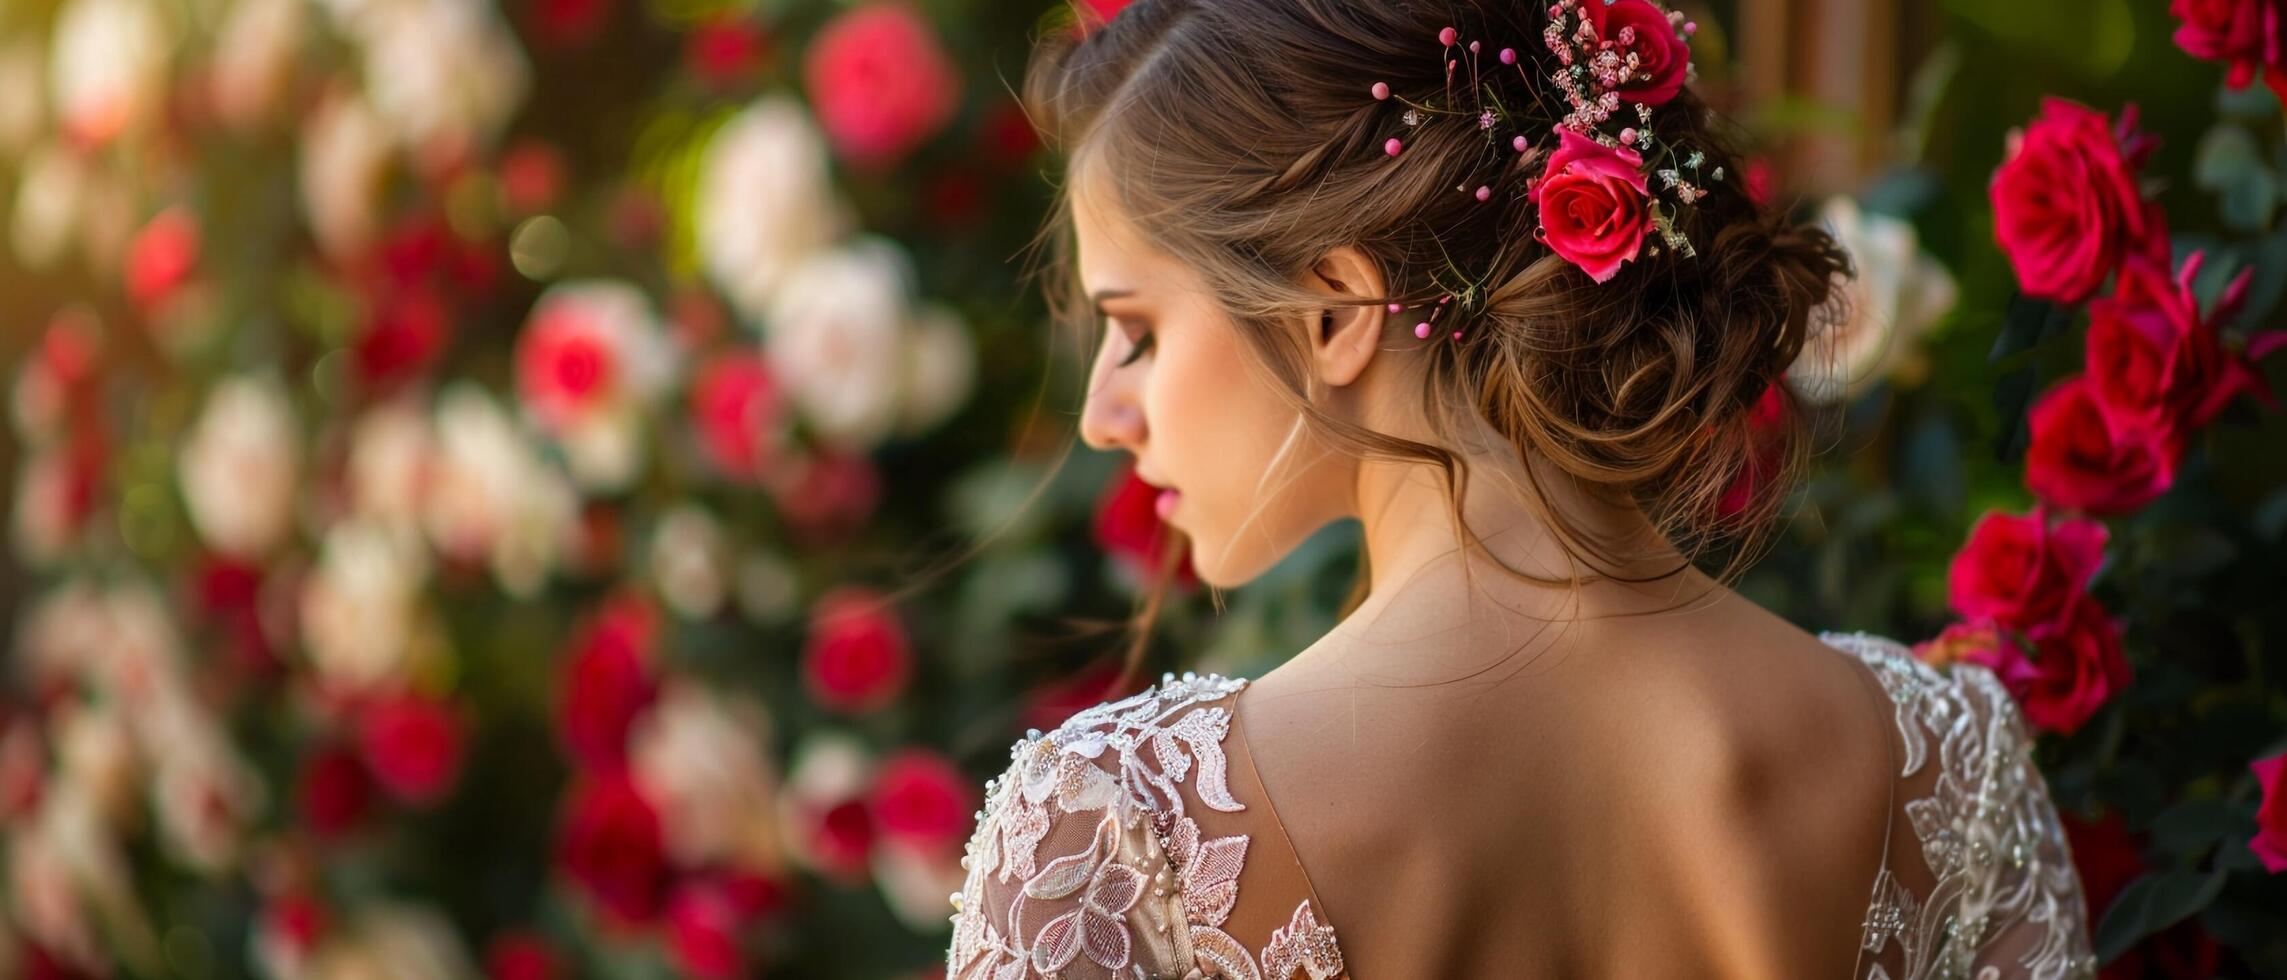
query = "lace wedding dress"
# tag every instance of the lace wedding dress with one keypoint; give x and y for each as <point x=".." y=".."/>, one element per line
<point x="1119" y="846"/>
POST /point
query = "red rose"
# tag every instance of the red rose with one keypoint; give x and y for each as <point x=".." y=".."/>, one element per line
<point x="2270" y="842"/>
<point x="334" y="791"/>
<point x="2158" y="366"/>
<point x="881" y="82"/>
<point x="1129" y="529"/>
<point x="2245" y="34"/>
<point x="2065" y="203"/>
<point x="738" y="408"/>
<point x="723" y="49"/>
<point x="401" y="338"/>
<point x="1660" y="53"/>
<point x="162" y="257"/>
<point x="704" y="921"/>
<point x="2019" y="570"/>
<point x="2075" y="666"/>
<point x="2077" y="461"/>
<point x="611" y="846"/>
<point x="841" y="840"/>
<point x="608" y="684"/>
<point x="413" y="746"/>
<point x="1591" y="203"/>
<point x="521" y="956"/>
<point x="826" y="495"/>
<point x="857" y="659"/>
<point x="567" y="362"/>
<point x="921" y="800"/>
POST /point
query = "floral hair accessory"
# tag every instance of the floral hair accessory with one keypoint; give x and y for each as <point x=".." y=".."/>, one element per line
<point x="1608" y="190"/>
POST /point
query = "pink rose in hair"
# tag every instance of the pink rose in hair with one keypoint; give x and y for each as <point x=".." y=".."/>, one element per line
<point x="2246" y="34"/>
<point x="1592" y="204"/>
<point x="2066" y="209"/>
<point x="1659" y="52"/>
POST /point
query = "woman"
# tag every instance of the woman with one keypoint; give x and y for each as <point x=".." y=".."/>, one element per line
<point x="1488" y="280"/>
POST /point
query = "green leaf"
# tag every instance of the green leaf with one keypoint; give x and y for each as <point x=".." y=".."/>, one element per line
<point x="2010" y="396"/>
<point x="2152" y="903"/>
<point x="2228" y="163"/>
<point x="2092" y="37"/>
<point x="2193" y="826"/>
<point x="2025" y="323"/>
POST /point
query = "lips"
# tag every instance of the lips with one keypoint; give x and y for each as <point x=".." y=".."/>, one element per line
<point x="1166" y="503"/>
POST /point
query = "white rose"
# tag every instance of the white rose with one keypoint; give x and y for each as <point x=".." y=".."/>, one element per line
<point x="239" y="468"/>
<point x="688" y="561"/>
<point x="492" y="498"/>
<point x="50" y="197"/>
<point x="389" y="454"/>
<point x="445" y="74"/>
<point x="704" y="759"/>
<point x="836" y="332"/>
<point x="764" y="201"/>
<point x="108" y="68"/>
<point x="940" y="369"/>
<point x="1899" y="293"/>
<point x="20" y="116"/>
<point x="358" y="605"/>
<point x="254" y="59"/>
<point x="345" y="156"/>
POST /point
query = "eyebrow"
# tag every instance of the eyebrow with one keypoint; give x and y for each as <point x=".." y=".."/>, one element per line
<point x="1097" y="299"/>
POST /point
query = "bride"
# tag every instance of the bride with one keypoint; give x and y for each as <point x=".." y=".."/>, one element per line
<point x="1488" y="280"/>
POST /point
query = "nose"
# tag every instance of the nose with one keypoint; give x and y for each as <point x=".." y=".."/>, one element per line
<point x="1113" y="415"/>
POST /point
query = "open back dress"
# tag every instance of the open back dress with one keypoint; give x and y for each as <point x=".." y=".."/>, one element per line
<point x="1137" y="840"/>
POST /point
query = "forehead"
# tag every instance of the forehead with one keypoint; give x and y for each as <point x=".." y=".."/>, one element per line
<point x="1112" y="254"/>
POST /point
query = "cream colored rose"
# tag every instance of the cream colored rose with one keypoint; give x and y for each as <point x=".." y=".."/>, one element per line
<point x="239" y="468"/>
<point x="1899" y="294"/>
<point x="764" y="201"/>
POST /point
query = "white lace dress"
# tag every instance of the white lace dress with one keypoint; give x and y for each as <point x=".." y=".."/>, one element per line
<point x="1115" y="846"/>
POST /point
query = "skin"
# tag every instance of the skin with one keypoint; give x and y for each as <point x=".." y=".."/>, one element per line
<point x="1603" y="696"/>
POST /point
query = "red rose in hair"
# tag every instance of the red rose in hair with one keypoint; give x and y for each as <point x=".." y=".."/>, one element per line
<point x="881" y="82"/>
<point x="857" y="659"/>
<point x="1659" y="52"/>
<point x="2245" y="34"/>
<point x="1591" y="201"/>
<point x="2018" y="570"/>
<point x="413" y="746"/>
<point x="2079" y="462"/>
<point x="2065" y="204"/>
<point x="2075" y="666"/>
<point x="1764" y="426"/>
<point x="611" y="845"/>
<point x="2270" y="841"/>
<point x="2158" y="367"/>
<point x="608" y="683"/>
<point x="1130" y="530"/>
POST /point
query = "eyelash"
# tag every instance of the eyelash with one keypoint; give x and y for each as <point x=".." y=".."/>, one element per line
<point x="1141" y="347"/>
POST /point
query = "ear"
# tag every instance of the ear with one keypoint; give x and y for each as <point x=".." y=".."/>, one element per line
<point x="1346" y="333"/>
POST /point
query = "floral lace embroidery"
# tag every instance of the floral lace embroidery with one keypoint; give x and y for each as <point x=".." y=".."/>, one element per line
<point x="1148" y="895"/>
<point x="1989" y="835"/>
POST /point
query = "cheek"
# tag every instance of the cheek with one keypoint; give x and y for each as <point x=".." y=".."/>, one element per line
<point x="1214" y="423"/>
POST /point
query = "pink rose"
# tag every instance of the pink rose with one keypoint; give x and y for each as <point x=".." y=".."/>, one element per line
<point x="2065" y="203"/>
<point x="738" y="407"/>
<point x="2270" y="842"/>
<point x="2245" y="34"/>
<point x="2158" y="366"/>
<point x="881" y="82"/>
<point x="2076" y="665"/>
<point x="857" y="659"/>
<point x="1591" y="201"/>
<point x="413" y="746"/>
<point x="2018" y="570"/>
<point x="1651" y="38"/>
<point x="611" y="845"/>
<point x="2078" y="462"/>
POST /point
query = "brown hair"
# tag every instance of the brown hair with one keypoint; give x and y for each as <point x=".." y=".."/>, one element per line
<point x="1241" y="139"/>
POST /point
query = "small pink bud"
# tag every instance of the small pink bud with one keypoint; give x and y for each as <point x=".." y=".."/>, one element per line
<point x="1484" y="193"/>
<point x="1628" y="136"/>
<point x="1472" y="47"/>
<point x="1381" y="90"/>
<point x="1421" y="330"/>
<point x="1519" y="143"/>
<point x="1448" y="36"/>
<point x="1690" y="27"/>
<point x="1457" y="335"/>
<point x="1393" y="146"/>
<point x="1508" y="56"/>
<point x="1397" y="307"/>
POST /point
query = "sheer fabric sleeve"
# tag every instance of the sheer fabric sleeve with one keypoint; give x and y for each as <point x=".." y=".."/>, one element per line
<point x="1994" y="894"/>
<point x="1084" y="862"/>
